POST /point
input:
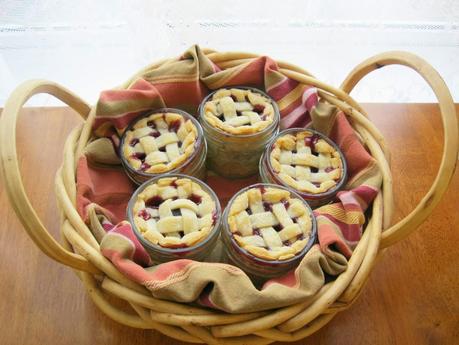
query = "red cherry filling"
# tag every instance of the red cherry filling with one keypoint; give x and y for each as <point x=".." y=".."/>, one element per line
<point x="234" y="98"/>
<point x="154" y="134"/>
<point x="256" y="232"/>
<point x="154" y="201"/>
<point x="151" y="124"/>
<point x="174" y="184"/>
<point x="139" y="155"/>
<point x="285" y="203"/>
<point x="214" y="217"/>
<point x="314" y="169"/>
<point x="134" y="142"/>
<point x="258" y="108"/>
<point x="262" y="189"/>
<point x="328" y="169"/>
<point x="267" y="206"/>
<point x="197" y="199"/>
<point x="144" y="214"/>
<point x="315" y="139"/>
<point x="277" y="227"/>
<point x="311" y="141"/>
<point x="175" y="125"/>
<point x="145" y="166"/>
<point x="286" y="243"/>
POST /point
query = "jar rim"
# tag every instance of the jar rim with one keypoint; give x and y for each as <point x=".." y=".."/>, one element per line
<point x="157" y="248"/>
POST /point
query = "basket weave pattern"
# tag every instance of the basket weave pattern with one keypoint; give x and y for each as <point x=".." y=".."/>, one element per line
<point x="80" y="250"/>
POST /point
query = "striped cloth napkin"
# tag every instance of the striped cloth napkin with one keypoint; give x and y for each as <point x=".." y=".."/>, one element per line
<point x="103" y="189"/>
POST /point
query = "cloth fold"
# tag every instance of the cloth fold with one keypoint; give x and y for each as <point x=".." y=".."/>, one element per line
<point x="103" y="192"/>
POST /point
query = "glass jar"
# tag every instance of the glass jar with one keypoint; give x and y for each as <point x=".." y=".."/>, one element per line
<point x="203" y="249"/>
<point x="269" y="175"/>
<point x="193" y="165"/>
<point x="236" y="155"/>
<point x="259" y="269"/>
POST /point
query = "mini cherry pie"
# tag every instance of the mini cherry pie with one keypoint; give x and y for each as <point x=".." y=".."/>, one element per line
<point x="239" y="111"/>
<point x="174" y="212"/>
<point x="270" y="223"/>
<point x="304" y="160"/>
<point x="160" y="142"/>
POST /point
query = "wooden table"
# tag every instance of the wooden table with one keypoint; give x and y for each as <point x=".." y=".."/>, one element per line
<point x="412" y="296"/>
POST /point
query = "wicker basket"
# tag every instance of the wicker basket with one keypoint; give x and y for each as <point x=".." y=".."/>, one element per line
<point x="80" y="250"/>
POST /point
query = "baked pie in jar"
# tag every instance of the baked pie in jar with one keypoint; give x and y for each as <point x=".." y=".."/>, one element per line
<point x="175" y="217"/>
<point x="166" y="140"/>
<point x="267" y="229"/>
<point x="237" y="123"/>
<point x="306" y="161"/>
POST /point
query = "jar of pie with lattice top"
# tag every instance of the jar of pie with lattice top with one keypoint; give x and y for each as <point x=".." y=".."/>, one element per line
<point x="162" y="141"/>
<point x="237" y="122"/>
<point x="306" y="161"/>
<point x="267" y="229"/>
<point x="175" y="216"/>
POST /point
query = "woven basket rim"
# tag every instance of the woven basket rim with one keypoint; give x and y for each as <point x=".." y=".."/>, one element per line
<point x="337" y="286"/>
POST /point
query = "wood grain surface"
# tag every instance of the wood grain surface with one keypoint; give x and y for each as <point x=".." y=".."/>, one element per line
<point x="412" y="296"/>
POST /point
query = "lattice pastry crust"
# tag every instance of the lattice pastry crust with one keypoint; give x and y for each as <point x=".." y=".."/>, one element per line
<point x="174" y="213"/>
<point x="306" y="162"/>
<point x="239" y="111"/>
<point x="269" y="223"/>
<point x="160" y="142"/>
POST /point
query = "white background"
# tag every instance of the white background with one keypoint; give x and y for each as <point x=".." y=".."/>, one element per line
<point x="89" y="46"/>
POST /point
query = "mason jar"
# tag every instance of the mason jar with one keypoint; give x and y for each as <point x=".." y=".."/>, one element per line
<point x="272" y="235"/>
<point x="236" y="140"/>
<point x="329" y="167"/>
<point x="175" y="216"/>
<point x="164" y="140"/>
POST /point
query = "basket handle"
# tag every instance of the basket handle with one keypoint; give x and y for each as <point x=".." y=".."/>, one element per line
<point x="12" y="177"/>
<point x="408" y="224"/>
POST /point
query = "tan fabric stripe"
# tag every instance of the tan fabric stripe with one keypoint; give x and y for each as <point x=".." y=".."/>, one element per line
<point x="291" y="97"/>
<point x="219" y="82"/>
<point x="173" y="78"/>
<point x="350" y="217"/>
<point x="179" y="276"/>
<point x="172" y="279"/>
<point x="371" y="175"/>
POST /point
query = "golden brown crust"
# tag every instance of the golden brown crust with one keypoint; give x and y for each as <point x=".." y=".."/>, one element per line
<point x="306" y="162"/>
<point x="174" y="213"/>
<point x="160" y="142"/>
<point x="239" y="111"/>
<point x="270" y="223"/>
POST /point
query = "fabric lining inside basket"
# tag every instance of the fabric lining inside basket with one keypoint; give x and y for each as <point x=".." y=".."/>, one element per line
<point x="103" y="188"/>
